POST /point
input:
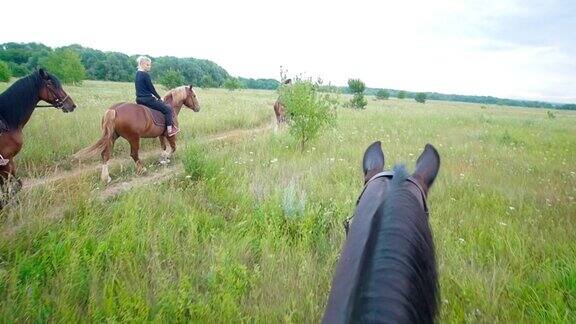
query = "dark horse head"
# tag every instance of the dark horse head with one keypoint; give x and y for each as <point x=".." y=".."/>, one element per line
<point x="387" y="270"/>
<point x="19" y="100"/>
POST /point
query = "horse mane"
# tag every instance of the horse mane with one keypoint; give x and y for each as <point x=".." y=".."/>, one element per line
<point x="178" y="94"/>
<point x="399" y="256"/>
<point x="19" y="99"/>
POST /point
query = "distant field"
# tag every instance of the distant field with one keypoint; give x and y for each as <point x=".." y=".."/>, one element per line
<point x="248" y="229"/>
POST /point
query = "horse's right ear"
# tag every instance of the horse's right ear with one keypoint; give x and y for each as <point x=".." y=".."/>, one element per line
<point x="190" y="86"/>
<point x="427" y="167"/>
<point x="373" y="159"/>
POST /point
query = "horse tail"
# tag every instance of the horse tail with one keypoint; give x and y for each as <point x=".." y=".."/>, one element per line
<point x="105" y="141"/>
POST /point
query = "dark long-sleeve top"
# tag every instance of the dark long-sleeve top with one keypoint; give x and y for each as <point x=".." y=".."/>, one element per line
<point x="144" y="86"/>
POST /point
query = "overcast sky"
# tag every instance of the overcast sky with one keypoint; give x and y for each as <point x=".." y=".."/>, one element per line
<point x="504" y="48"/>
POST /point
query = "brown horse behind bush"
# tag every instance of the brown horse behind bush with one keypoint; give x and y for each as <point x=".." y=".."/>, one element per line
<point x="133" y="121"/>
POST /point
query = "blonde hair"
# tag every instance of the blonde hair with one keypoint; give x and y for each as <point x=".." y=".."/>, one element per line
<point x="143" y="58"/>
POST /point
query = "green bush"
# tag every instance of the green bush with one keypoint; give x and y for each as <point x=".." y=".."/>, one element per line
<point x="172" y="79"/>
<point x="66" y="65"/>
<point x="420" y="97"/>
<point x="401" y="94"/>
<point x="308" y="111"/>
<point x="232" y="84"/>
<point x="358" y="101"/>
<point x="382" y="94"/>
<point x="357" y="88"/>
<point x="5" y="72"/>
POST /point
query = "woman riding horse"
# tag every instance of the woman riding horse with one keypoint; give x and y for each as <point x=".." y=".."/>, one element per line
<point x="133" y="121"/>
<point x="146" y="94"/>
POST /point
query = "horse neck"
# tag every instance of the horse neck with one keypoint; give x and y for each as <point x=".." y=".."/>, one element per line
<point x="16" y="107"/>
<point x="177" y="106"/>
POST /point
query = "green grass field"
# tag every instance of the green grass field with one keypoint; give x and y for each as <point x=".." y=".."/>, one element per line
<point x="251" y="229"/>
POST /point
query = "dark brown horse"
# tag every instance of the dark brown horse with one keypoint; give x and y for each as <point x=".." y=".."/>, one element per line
<point x="17" y="104"/>
<point x="386" y="272"/>
<point x="133" y="121"/>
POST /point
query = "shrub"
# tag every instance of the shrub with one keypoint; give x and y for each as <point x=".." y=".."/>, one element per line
<point x="5" y="72"/>
<point x="357" y="87"/>
<point x="420" y="97"/>
<point x="382" y="94"/>
<point x="232" y="84"/>
<point x="308" y="111"/>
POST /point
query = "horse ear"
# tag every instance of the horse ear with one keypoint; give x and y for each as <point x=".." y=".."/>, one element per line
<point x="427" y="167"/>
<point x="190" y="86"/>
<point x="373" y="158"/>
<point x="43" y="73"/>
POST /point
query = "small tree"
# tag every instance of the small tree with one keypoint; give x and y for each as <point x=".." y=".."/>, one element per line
<point x="66" y="65"/>
<point x="357" y="88"/>
<point x="401" y="94"/>
<point x="172" y="79"/>
<point x="232" y="84"/>
<point x="308" y="110"/>
<point x="420" y="97"/>
<point x="382" y="94"/>
<point x="5" y="72"/>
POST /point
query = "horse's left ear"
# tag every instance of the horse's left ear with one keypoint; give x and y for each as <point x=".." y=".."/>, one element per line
<point x="43" y="73"/>
<point x="373" y="161"/>
<point x="190" y="86"/>
<point x="427" y="167"/>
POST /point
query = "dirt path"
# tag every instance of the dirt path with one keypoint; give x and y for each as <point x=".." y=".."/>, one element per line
<point x="162" y="174"/>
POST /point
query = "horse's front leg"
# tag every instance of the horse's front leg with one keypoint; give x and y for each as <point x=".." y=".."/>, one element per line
<point x="10" y="185"/>
<point x="166" y="151"/>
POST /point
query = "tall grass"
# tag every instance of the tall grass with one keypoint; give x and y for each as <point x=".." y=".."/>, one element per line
<point x="252" y="230"/>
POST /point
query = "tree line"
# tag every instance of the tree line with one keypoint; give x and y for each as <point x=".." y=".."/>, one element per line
<point x="75" y="63"/>
<point x="380" y="93"/>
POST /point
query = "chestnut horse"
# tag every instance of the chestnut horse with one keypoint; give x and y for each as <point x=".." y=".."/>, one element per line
<point x="386" y="272"/>
<point x="17" y="104"/>
<point x="280" y="112"/>
<point x="133" y="121"/>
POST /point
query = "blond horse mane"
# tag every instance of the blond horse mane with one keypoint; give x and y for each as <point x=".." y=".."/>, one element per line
<point x="178" y="94"/>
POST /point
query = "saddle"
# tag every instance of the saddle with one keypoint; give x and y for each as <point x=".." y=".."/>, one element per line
<point x="157" y="117"/>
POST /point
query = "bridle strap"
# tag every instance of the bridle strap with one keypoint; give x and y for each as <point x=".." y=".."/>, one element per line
<point x="383" y="174"/>
<point x="390" y="174"/>
<point x="59" y="102"/>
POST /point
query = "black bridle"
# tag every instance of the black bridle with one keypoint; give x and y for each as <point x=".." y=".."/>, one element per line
<point x="389" y="175"/>
<point x="58" y="103"/>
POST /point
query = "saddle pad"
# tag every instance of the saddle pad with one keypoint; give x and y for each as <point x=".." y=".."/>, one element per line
<point x="157" y="117"/>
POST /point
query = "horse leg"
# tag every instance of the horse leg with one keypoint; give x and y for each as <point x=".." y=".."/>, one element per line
<point x="165" y="155"/>
<point x="134" y="147"/>
<point x="105" y="175"/>
<point x="10" y="185"/>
